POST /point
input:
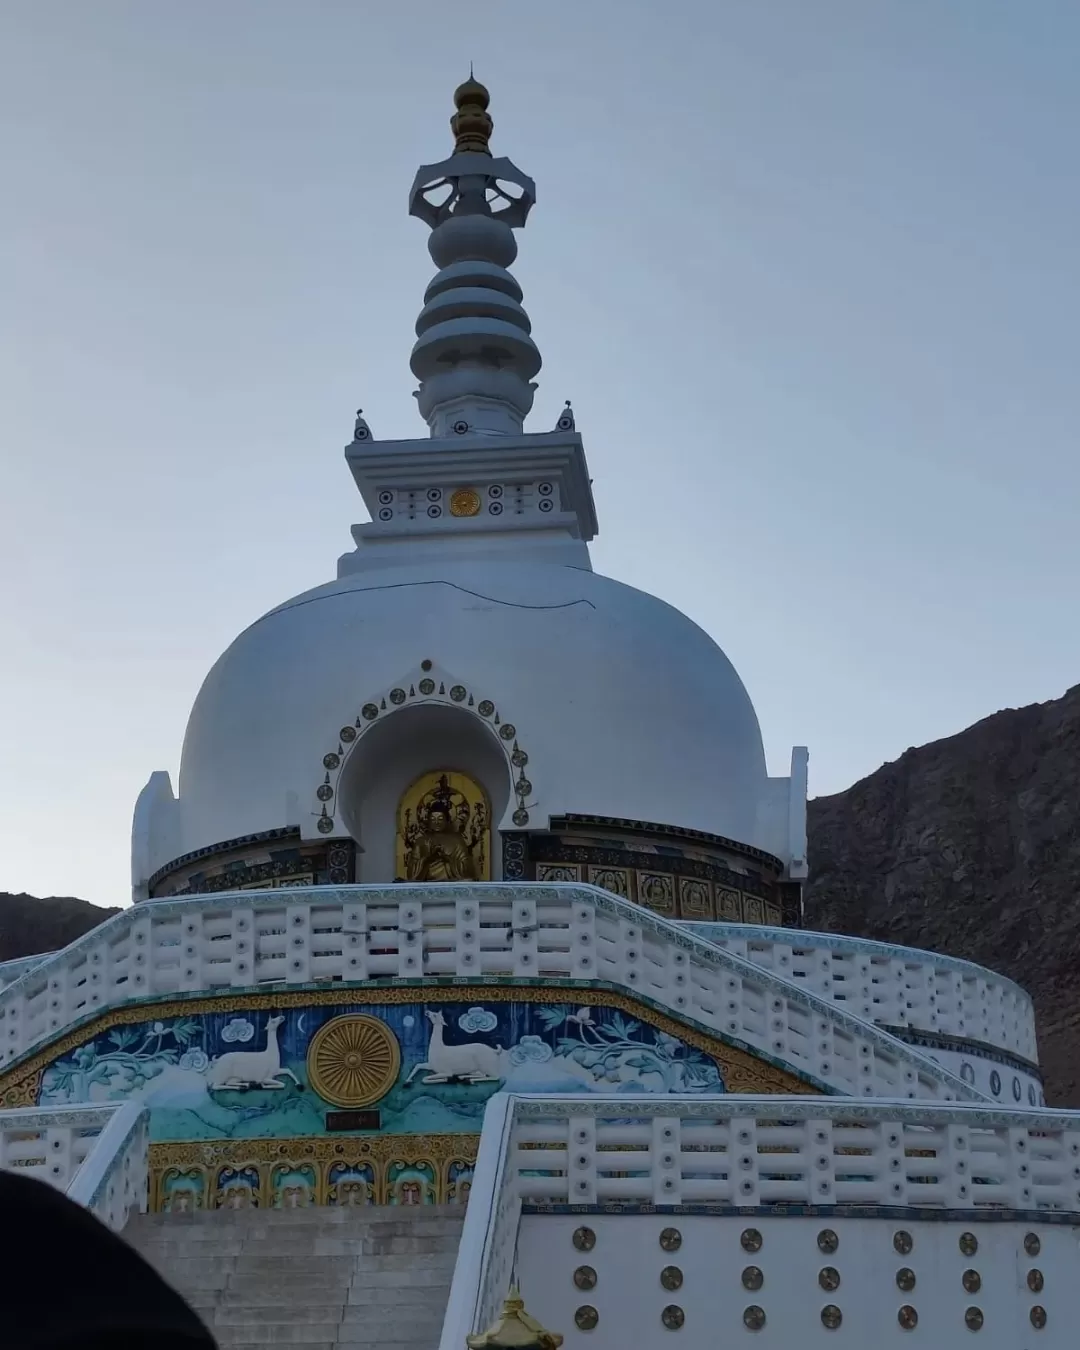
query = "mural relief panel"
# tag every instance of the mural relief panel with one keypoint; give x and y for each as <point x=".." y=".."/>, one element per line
<point x="308" y="1097"/>
<point x="425" y="1069"/>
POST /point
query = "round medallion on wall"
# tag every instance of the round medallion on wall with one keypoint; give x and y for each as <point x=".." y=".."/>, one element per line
<point x="973" y="1319"/>
<point x="827" y="1240"/>
<point x="521" y="816"/>
<point x="829" y="1278"/>
<point x="584" y="1239"/>
<point x="1032" y="1245"/>
<point x="426" y="687"/>
<point x="485" y="707"/>
<point x="353" y="1060"/>
<point x="369" y="712"/>
<point x="325" y="792"/>
<point x="671" y="1277"/>
<point x="397" y="697"/>
<point x="995" y="1082"/>
<point x="670" y="1240"/>
<point x="831" y="1316"/>
<point x="465" y="502"/>
<point x="908" y="1317"/>
<point x="1035" y="1281"/>
<point x="673" y="1317"/>
<point x="586" y="1318"/>
<point x="585" y="1277"/>
<point x="458" y="692"/>
<point x="969" y="1244"/>
<point x="331" y="761"/>
<point x="903" y="1241"/>
<point x="905" y="1279"/>
<point x="753" y="1317"/>
<point x="347" y="734"/>
<point x="753" y="1278"/>
<point x="508" y="731"/>
<point x="750" y="1240"/>
<point x="972" y="1281"/>
<point x="1038" y="1317"/>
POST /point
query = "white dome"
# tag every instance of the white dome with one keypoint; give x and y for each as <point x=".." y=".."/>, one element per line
<point x="625" y="707"/>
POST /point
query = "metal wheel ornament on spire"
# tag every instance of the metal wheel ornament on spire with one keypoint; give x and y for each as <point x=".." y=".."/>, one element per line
<point x="474" y="356"/>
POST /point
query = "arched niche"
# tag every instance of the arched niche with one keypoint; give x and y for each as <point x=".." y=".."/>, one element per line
<point x="392" y="755"/>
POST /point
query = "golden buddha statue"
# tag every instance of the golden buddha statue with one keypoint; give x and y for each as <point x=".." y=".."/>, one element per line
<point x="443" y="830"/>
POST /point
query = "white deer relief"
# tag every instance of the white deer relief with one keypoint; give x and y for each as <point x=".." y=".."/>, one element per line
<point x="252" y="1068"/>
<point x="474" y="1062"/>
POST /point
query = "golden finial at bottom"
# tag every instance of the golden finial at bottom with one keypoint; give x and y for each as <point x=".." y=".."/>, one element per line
<point x="514" y="1329"/>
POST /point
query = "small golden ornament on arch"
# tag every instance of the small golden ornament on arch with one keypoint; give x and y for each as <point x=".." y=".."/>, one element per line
<point x="465" y="502"/>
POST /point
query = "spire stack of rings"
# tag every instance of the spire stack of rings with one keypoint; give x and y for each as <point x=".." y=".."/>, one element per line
<point x="474" y="356"/>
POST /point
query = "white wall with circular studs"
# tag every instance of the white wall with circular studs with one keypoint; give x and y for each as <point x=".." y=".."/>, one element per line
<point x="798" y="1282"/>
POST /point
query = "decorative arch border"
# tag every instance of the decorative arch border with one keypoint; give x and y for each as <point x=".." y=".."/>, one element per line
<point x="434" y="687"/>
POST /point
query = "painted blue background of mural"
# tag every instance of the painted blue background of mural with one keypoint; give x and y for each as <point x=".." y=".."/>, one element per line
<point x="453" y="1057"/>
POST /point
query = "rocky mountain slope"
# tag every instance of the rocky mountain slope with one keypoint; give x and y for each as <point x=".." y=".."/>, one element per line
<point x="971" y="846"/>
<point x="968" y="846"/>
<point x="29" y="925"/>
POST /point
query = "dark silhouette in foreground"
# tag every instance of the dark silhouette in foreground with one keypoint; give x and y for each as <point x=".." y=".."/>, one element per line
<point x="70" y="1283"/>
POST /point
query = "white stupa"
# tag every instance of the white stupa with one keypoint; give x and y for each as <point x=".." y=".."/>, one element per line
<point x="467" y="628"/>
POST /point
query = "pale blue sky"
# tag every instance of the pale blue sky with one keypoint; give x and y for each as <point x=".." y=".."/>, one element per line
<point x="807" y="268"/>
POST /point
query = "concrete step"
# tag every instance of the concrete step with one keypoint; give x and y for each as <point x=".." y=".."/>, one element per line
<point x="399" y="1296"/>
<point x="234" y="1343"/>
<point x="401" y="1277"/>
<point x="256" y="1286"/>
<point x="275" y="1314"/>
<point x="323" y="1279"/>
<point x="291" y="1333"/>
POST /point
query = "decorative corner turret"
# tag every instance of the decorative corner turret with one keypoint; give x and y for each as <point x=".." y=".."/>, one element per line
<point x="361" y="430"/>
<point x="473" y="356"/>
<point x="515" y="1329"/>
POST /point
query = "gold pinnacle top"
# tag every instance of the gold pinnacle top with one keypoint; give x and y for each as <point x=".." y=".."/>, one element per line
<point x="514" y="1329"/>
<point x="471" y="124"/>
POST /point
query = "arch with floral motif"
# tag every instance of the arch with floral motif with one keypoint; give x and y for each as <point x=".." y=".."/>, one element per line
<point x="432" y="687"/>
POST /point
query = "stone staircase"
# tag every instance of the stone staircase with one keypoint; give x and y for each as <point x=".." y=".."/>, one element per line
<point x="371" y="1278"/>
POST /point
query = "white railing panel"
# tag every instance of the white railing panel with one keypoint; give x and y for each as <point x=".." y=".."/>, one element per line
<point x="97" y="1154"/>
<point x="892" y="985"/>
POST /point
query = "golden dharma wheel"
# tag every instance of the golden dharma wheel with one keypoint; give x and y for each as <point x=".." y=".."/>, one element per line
<point x="353" y="1060"/>
<point x="465" y="502"/>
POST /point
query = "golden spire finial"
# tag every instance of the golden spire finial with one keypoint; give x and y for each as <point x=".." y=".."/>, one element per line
<point x="471" y="124"/>
<point x="514" y="1329"/>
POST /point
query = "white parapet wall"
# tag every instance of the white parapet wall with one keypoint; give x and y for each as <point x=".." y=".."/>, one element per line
<point x="977" y="1024"/>
<point x="892" y="985"/>
<point x="98" y="1155"/>
<point x="803" y="1223"/>
<point x="10" y="971"/>
<point x="356" y="934"/>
